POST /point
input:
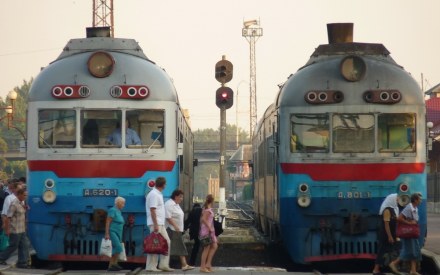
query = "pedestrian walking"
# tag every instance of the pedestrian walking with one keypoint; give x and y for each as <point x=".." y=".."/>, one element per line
<point x="156" y="215"/>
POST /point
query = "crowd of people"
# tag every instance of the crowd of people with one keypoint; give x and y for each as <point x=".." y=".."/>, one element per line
<point x="167" y="219"/>
<point x="13" y="221"/>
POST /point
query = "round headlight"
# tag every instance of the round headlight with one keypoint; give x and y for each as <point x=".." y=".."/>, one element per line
<point x="403" y="200"/>
<point x="49" y="196"/>
<point x="151" y="183"/>
<point x="100" y="64"/>
<point x="353" y="68"/>
<point x="304" y="201"/>
<point x="49" y="183"/>
<point x="403" y="187"/>
<point x="303" y="187"/>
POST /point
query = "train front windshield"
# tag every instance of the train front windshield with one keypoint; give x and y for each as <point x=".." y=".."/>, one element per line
<point x="61" y="128"/>
<point x="352" y="133"/>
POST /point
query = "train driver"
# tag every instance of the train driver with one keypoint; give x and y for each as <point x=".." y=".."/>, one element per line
<point x="131" y="137"/>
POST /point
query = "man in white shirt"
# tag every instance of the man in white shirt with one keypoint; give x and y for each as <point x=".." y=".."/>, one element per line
<point x="156" y="215"/>
<point x="12" y="189"/>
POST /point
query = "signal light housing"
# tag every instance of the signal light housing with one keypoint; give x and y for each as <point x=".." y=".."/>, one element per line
<point x="223" y="71"/>
<point x="224" y="97"/>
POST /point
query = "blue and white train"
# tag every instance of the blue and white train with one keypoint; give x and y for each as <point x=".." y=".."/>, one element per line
<point x="347" y="129"/>
<point x="97" y="85"/>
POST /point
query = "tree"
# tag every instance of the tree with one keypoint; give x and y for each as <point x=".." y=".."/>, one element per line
<point x="10" y="137"/>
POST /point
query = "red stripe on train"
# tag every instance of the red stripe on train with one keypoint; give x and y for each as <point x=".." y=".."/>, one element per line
<point x="355" y="172"/>
<point x="100" y="168"/>
<point x="365" y="256"/>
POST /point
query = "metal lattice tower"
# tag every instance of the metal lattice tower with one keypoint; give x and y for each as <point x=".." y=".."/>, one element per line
<point x="103" y="14"/>
<point x="252" y="31"/>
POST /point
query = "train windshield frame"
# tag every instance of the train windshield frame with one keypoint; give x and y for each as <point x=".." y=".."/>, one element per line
<point x="101" y="128"/>
<point x="310" y="133"/>
<point x="396" y="132"/>
<point x="56" y="128"/>
<point x="353" y="133"/>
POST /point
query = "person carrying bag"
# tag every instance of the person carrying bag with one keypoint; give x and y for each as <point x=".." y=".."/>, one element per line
<point x="207" y="235"/>
<point x="411" y="250"/>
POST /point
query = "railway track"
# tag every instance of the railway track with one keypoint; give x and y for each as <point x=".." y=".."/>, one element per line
<point x="240" y="214"/>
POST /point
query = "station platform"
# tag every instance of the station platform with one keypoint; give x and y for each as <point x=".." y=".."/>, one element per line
<point x="432" y="243"/>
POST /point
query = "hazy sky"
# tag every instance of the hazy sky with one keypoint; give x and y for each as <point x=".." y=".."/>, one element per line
<point x="187" y="38"/>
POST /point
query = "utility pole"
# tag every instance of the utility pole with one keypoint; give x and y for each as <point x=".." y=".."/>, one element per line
<point x="224" y="99"/>
<point x="103" y="15"/>
<point x="251" y="31"/>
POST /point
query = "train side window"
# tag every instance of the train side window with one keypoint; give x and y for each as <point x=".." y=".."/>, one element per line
<point x="353" y="133"/>
<point x="309" y="133"/>
<point x="56" y="129"/>
<point x="396" y="132"/>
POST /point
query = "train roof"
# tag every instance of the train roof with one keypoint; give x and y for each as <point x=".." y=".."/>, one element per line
<point x="122" y="45"/>
<point x="362" y="49"/>
<point x="132" y="67"/>
<point x="323" y="72"/>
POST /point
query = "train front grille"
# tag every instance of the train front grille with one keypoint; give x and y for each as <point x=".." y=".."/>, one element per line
<point x="337" y="248"/>
<point x="91" y="247"/>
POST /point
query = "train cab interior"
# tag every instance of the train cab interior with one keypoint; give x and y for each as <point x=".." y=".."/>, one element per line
<point x="101" y="129"/>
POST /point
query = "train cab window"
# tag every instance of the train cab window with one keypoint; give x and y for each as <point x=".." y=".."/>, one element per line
<point x="149" y="124"/>
<point x="56" y="129"/>
<point x="309" y="133"/>
<point x="396" y="132"/>
<point x="353" y="133"/>
<point x="101" y="128"/>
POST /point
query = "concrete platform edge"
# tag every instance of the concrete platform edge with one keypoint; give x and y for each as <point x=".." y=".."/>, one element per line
<point x="433" y="256"/>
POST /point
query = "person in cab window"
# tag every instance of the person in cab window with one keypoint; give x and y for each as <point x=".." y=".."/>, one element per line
<point x="91" y="133"/>
<point x="131" y="137"/>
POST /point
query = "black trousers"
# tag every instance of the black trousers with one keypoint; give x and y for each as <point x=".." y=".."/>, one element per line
<point x="194" y="252"/>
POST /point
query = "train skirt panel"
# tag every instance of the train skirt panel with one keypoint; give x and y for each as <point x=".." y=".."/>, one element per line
<point x="341" y="219"/>
<point x="72" y="226"/>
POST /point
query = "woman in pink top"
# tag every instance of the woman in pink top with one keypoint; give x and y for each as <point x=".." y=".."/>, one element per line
<point x="207" y="228"/>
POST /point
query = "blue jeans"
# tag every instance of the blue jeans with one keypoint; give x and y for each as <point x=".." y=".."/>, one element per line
<point x="20" y="242"/>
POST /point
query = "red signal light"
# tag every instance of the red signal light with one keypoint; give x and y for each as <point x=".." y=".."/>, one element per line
<point x="224" y="97"/>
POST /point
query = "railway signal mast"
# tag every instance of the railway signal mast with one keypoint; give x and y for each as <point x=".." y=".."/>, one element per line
<point x="103" y="14"/>
<point x="224" y="99"/>
<point x="252" y="31"/>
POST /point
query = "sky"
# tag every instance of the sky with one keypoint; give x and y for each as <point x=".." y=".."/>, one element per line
<point x="187" y="38"/>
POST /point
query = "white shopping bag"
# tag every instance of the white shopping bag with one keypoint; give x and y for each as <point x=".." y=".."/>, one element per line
<point x="106" y="247"/>
<point x="122" y="256"/>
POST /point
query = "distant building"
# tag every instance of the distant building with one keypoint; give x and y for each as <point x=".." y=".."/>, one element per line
<point x="214" y="188"/>
<point x="433" y="115"/>
<point x="240" y="174"/>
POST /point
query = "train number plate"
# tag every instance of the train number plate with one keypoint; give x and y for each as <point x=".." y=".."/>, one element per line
<point x="354" y="195"/>
<point x="100" y="192"/>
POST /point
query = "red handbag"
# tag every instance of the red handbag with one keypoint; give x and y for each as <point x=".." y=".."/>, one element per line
<point x="407" y="231"/>
<point x="155" y="243"/>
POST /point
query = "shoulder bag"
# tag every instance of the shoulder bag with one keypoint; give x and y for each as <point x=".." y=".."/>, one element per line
<point x="205" y="240"/>
<point x="218" y="227"/>
<point x="407" y="231"/>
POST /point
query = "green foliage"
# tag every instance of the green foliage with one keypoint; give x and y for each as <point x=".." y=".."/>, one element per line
<point x="16" y="169"/>
<point x="10" y="137"/>
<point x="13" y="136"/>
<point x="210" y="138"/>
